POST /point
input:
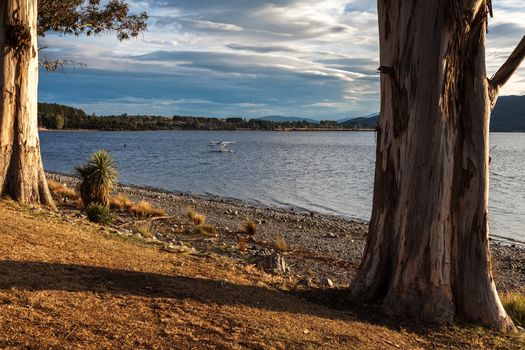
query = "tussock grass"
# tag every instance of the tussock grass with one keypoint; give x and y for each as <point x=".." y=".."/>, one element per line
<point x="98" y="176"/>
<point x="206" y="230"/>
<point x="249" y="228"/>
<point x="281" y="245"/>
<point x="61" y="190"/>
<point x="121" y="202"/>
<point x="514" y="304"/>
<point x="196" y="218"/>
<point x="242" y="243"/>
<point x="145" y="209"/>
<point x="144" y="230"/>
<point x="78" y="203"/>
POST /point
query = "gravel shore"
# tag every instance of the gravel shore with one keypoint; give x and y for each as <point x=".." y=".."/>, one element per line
<point x="321" y="246"/>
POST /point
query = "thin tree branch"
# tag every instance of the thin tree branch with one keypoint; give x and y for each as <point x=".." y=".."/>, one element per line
<point x="505" y="72"/>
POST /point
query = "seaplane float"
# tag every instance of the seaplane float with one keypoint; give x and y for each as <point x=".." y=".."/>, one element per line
<point x="220" y="146"/>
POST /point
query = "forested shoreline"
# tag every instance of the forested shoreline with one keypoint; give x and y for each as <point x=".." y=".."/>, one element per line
<point x="54" y="116"/>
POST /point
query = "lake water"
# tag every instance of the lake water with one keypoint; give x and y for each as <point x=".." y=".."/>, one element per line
<point x="326" y="172"/>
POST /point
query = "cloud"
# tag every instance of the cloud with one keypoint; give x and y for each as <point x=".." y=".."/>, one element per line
<point x="245" y="57"/>
<point x="263" y="48"/>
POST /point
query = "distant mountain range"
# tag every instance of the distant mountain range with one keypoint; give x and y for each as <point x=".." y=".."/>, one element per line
<point x="366" y="122"/>
<point x="509" y="114"/>
<point x="282" y="119"/>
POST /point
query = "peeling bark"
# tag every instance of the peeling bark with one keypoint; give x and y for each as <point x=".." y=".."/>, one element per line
<point x="21" y="171"/>
<point x="427" y="255"/>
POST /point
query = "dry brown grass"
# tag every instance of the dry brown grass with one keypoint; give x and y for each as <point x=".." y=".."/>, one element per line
<point x="196" y="218"/>
<point x="242" y="243"/>
<point x="144" y="230"/>
<point x="78" y="203"/>
<point x="249" y="227"/>
<point x="206" y="229"/>
<point x="60" y="190"/>
<point x="145" y="209"/>
<point x="281" y="245"/>
<point x="121" y="202"/>
<point x="72" y="285"/>
<point x="514" y="304"/>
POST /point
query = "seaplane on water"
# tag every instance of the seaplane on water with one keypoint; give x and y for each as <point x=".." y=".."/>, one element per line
<point x="221" y="146"/>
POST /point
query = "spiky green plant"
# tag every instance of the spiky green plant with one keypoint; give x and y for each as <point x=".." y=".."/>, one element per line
<point x="98" y="176"/>
<point x="100" y="214"/>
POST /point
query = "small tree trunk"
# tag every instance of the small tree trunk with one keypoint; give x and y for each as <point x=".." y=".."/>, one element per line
<point x="21" y="171"/>
<point x="428" y="254"/>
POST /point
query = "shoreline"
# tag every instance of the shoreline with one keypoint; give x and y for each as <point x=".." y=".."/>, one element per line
<point x="233" y="130"/>
<point x="321" y="246"/>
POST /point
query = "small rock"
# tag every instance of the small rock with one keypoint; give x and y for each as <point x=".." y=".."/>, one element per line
<point x="306" y="281"/>
<point x="235" y="212"/>
<point x="331" y="235"/>
<point x="259" y="222"/>
<point x="326" y="282"/>
<point x="270" y="261"/>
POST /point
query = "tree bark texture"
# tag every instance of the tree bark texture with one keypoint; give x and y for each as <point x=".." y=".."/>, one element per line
<point x="21" y="171"/>
<point x="427" y="255"/>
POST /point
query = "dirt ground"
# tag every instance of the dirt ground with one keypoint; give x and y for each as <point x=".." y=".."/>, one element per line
<point x="74" y="285"/>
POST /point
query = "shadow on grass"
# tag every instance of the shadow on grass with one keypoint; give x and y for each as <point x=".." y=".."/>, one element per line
<point x="40" y="276"/>
<point x="330" y="304"/>
<point x="325" y="303"/>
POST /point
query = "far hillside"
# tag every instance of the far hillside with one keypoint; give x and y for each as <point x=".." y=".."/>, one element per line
<point x="282" y="119"/>
<point x="509" y="114"/>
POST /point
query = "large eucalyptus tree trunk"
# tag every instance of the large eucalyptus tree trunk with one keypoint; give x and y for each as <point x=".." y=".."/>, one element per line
<point x="428" y="254"/>
<point x="21" y="170"/>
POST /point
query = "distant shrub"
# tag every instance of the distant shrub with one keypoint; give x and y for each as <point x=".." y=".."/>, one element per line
<point x="98" y="176"/>
<point x="99" y="213"/>
<point x="144" y="208"/>
<point x="196" y="218"/>
<point x="121" y="202"/>
<point x="281" y="245"/>
<point x="514" y="304"/>
<point x="249" y="228"/>
<point x="60" y="190"/>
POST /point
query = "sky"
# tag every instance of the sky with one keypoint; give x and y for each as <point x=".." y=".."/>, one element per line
<point x="245" y="58"/>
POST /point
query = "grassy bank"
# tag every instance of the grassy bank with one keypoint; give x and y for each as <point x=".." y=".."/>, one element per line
<point x="67" y="283"/>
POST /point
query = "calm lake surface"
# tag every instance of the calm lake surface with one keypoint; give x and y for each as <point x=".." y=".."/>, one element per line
<point x="326" y="172"/>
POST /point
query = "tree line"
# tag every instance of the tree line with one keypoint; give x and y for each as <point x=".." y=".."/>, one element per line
<point x="55" y="117"/>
